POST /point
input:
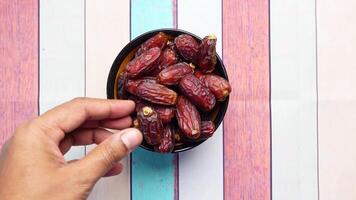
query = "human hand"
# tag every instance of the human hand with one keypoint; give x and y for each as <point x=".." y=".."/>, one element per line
<point x="32" y="165"/>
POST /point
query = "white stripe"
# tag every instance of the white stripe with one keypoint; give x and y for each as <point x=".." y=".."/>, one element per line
<point x="201" y="169"/>
<point x="107" y="32"/>
<point x="337" y="98"/>
<point x="61" y="56"/>
<point x="293" y="93"/>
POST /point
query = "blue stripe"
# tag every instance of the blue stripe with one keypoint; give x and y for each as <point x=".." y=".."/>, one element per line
<point x="152" y="173"/>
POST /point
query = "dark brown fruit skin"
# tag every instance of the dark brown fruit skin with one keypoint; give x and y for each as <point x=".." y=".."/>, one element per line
<point x="187" y="47"/>
<point x="168" y="57"/>
<point x="219" y="86"/>
<point x="198" y="74"/>
<point x="121" y="86"/>
<point x="144" y="63"/>
<point x="167" y="143"/>
<point x="159" y="40"/>
<point x="197" y="92"/>
<point x="131" y="85"/>
<point x="152" y="92"/>
<point x="172" y="46"/>
<point x="207" y="130"/>
<point x="166" y="114"/>
<point x="172" y="74"/>
<point x="188" y="118"/>
<point x="150" y="125"/>
<point x="206" y="57"/>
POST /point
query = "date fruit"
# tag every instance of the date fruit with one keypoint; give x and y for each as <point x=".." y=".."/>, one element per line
<point x="121" y="86"/>
<point x="197" y="92"/>
<point x="207" y="130"/>
<point x="188" y="118"/>
<point x="187" y="47"/>
<point x="168" y="57"/>
<point x="167" y="142"/>
<point x="166" y="114"/>
<point x="159" y="40"/>
<point x="206" y="57"/>
<point x="150" y="125"/>
<point x="152" y="92"/>
<point x="144" y="63"/>
<point x="172" y="74"/>
<point x="219" y="86"/>
<point x="131" y="85"/>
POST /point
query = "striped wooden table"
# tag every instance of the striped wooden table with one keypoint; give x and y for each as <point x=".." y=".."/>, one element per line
<point x="289" y="129"/>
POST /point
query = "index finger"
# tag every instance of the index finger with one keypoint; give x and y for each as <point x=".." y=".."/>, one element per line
<point x="72" y="114"/>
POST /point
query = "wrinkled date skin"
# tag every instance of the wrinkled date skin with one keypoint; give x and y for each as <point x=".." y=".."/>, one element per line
<point x="131" y="85"/>
<point x="150" y="125"/>
<point x="121" y="86"/>
<point x="172" y="74"/>
<point x="188" y="118"/>
<point x="198" y="74"/>
<point x="207" y="130"/>
<point x="167" y="143"/>
<point x="144" y="63"/>
<point x="152" y="92"/>
<point x="206" y="57"/>
<point x="167" y="58"/>
<point x="219" y="86"/>
<point x="197" y="92"/>
<point x="165" y="113"/>
<point x="187" y="47"/>
<point x="159" y="40"/>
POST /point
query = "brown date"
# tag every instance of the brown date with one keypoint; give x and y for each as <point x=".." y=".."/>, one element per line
<point x="159" y="40"/>
<point x="172" y="46"/>
<point x="167" y="142"/>
<point x="150" y="125"/>
<point x="172" y="74"/>
<point x="219" y="86"/>
<point x="187" y="47"/>
<point x="197" y="92"/>
<point x="152" y="92"/>
<point x="168" y="57"/>
<point x="121" y="86"/>
<point x="131" y="85"/>
<point x="198" y="74"/>
<point x="166" y="114"/>
<point x="144" y="63"/>
<point x="206" y="57"/>
<point x="207" y="130"/>
<point x="188" y="118"/>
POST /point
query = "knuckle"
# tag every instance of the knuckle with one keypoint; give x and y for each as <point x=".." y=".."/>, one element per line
<point x="79" y="100"/>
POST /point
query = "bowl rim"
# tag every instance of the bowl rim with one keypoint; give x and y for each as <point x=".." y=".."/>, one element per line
<point x="110" y="87"/>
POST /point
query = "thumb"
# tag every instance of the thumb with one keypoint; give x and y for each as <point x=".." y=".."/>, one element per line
<point x="103" y="157"/>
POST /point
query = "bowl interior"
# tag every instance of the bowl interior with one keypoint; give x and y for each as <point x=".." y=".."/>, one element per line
<point x="128" y="52"/>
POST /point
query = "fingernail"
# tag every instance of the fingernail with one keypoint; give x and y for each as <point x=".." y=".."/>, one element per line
<point x="131" y="138"/>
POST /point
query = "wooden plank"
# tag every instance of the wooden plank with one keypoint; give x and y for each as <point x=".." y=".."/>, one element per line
<point x="61" y="56"/>
<point x="294" y="100"/>
<point x="247" y="169"/>
<point x="201" y="169"/>
<point x="153" y="174"/>
<point x="107" y="32"/>
<point x="18" y="64"/>
<point x="337" y="98"/>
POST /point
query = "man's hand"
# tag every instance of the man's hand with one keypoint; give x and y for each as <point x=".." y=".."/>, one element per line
<point x="32" y="165"/>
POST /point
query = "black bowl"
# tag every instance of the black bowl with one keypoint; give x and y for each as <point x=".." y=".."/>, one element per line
<point x="127" y="53"/>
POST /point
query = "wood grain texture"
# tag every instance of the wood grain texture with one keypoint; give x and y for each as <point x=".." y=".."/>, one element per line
<point x="61" y="56"/>
<point x="107" y="32"/>
<point x="18" y="64"/>
<point x="337" y="98"/>
<point x="294" y="100"/>
<point x="201" y="169"/>
<point x="247" y="169"/>
<point x="153" y="174"/>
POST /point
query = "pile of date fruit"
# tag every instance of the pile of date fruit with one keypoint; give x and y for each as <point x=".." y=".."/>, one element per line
<point x="171" y="82"/>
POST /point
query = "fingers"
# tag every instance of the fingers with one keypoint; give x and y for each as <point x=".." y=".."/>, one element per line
<point x="106" y="155"/>
<point x="117" y="169"/>
<point x="72" y="114"/>
<point x="83" y="137"/>
<point x="121" y="123"/>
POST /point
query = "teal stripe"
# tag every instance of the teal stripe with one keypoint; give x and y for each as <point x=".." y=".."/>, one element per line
<point x="152" y="173"/>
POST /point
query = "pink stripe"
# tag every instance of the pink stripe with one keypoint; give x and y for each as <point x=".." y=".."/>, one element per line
<point x="19" y="64"/>
<point x="247" y="168"/>
<point x="175" y="13"/>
